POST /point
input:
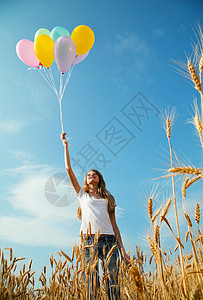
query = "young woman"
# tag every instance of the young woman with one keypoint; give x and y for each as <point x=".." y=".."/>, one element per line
<point x="97" y="211"/>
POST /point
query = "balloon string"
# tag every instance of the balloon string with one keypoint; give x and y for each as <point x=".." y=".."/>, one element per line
<point x="60" y="86"/>
<point x="32" y="68"/>
<point x="60" y="100"/>
<point x="67" y="79"/>
<point x="46" y="79"/>
<point x="61" y="116"/>
<point x="53" y="82"/>
<point x="68" y="75"/>
<point x="47" y="75"/>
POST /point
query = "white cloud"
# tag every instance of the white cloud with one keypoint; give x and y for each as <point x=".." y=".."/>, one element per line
<point x="35" y="217"/>
<point x="132" y="56"/>
<point x="22" y="156"/>
<point x="128" y="44"/>
<point x="16" y="125"/>
<point x="120" y="212"/>
<point x="12" y="126"/>
<point x="29" y="196"/>
<point x="27" y="169"/>
<point x="43" y="206"/>
<point x="36" y="232"/>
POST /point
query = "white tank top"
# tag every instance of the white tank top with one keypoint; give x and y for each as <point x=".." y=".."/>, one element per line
<point x="94" y="211"/>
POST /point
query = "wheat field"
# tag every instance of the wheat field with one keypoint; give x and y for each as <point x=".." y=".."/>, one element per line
<point x="179" y="278"/>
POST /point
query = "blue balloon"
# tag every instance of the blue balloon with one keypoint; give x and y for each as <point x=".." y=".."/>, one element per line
<point x="59" y="31"/>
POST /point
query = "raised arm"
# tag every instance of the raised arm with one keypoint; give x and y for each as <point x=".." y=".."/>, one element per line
<point x="69" y="170"/>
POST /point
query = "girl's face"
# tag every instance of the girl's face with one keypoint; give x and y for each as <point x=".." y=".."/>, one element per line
<point x="92" y="177"/>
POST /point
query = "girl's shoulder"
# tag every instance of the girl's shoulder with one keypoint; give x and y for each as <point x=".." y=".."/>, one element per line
<point x="81" y="193"/>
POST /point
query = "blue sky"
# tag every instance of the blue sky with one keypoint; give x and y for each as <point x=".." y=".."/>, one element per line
<point x="129" y="65"/>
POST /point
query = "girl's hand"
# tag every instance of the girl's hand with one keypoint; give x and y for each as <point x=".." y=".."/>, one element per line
<point x="64" y="139"/>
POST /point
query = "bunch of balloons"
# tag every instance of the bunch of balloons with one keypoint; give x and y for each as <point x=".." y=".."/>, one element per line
<point x="66" y="49"/>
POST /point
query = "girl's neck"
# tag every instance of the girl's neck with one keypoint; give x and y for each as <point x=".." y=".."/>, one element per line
<point x="93" y="190"/>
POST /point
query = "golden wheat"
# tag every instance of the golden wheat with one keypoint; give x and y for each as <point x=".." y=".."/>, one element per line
<point x="201" y="64"/>
<point x="157" y="234"/>
<point x="191" y="181"/>
<point x="152" y="245"/>
<point x="179" y="279"/>
<point x="188" y="220"/>
<point x="168" y="128"/>
<point x="197" y="214"/>
<point x="165" y="210"/>
<point x="186" y="170"/>
<point x="156" y="215"/>
<point x="186" y="236"/>
<point x="150" y="210"/>
<point x="194" y="76"/>
<point x="137" y="279"/>
<point x="198" y="124"/>
<point x="184" y="187"/>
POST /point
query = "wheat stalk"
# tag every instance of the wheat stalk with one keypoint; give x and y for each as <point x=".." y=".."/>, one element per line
<point x="176" y="213"/>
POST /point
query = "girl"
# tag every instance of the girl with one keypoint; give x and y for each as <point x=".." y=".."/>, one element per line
<point x="97" y="211"/>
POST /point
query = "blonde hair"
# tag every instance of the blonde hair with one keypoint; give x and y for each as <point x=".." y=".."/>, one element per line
<point x="102" y="191"/>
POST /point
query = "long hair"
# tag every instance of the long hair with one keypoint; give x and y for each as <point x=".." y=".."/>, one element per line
<point x="102" y="191"/>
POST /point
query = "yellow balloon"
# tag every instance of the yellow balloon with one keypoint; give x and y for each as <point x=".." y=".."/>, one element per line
<point x="43" y="47"/>
<point x="83" y="37"/>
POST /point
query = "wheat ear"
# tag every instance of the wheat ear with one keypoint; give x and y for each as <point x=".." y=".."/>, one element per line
<point x="194" y="76"/>
<point x="156" y="215"/>
<point x="168" y="128"/>
<point x="137" y="278"/>
<point x="198" y="124"/>
<point x="188" y="220"/>
<point x="186" y="170"/>
<point x="201" y="64"/>
<point x="150" y="210"/>
<point x="197" y="214"/>
<point x="165" y="210"/>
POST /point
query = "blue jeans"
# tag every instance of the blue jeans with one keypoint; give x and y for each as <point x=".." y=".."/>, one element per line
<point x="110" y="266"/>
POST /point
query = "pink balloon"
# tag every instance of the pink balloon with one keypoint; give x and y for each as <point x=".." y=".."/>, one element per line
<point x="79" y="58"/>
<point x="25" y="51"/>
<point x="64" y="53"/>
